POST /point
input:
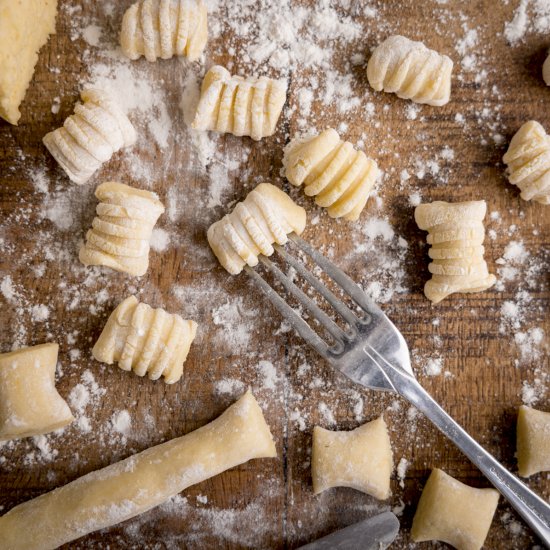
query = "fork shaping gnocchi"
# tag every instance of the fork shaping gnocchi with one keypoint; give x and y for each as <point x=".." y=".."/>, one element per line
<point x="333" y="171"/>
<point x="411" y="71"/>
<point x="164" y="28"/>
<point x="240" y="106"/>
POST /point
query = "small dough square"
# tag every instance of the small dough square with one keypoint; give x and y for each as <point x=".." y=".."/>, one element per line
<point x="533" y="441"/>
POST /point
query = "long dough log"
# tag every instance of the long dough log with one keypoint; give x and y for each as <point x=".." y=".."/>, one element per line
<point x="125" y="489"/>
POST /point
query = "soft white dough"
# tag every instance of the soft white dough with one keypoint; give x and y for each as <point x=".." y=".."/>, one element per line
<point x="533" y="441"/>
<point x="132" y="486"/>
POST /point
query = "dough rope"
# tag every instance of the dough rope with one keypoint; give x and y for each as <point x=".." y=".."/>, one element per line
<point x="132" y="486"/>
<point x="146" y="340"/>
<point x="121" y="232"/>
<point x="266" y="216"/>
<point x="528" y="160"/>
<point x="88" y="138"/>
<point x="240" y="106"/>
<point x="337" y="175"/>
<point x="29" y="403"/>
<point x="533" y="441"/>
<point x="411" y="71"/>
<point x="456" y="234"/>
<point x="164" y="28"/>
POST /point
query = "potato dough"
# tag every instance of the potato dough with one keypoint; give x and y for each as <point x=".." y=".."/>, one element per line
<point x="29" y="402"/>
<point x="454" y="513"/>
<point x="360" y="459"/>
<point x="533" y="441"/>
<point x="132" y="486"/>
<point x="546" y="71"/>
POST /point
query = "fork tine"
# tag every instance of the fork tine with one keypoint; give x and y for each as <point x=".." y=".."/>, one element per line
<point x="305" y="331"/>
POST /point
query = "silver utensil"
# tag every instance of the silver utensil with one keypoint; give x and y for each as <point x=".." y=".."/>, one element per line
<point x="373" y="353"/>
<point x="375" y="533"/>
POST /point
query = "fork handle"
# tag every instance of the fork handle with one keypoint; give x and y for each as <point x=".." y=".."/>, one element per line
<point x="533" y="509"/>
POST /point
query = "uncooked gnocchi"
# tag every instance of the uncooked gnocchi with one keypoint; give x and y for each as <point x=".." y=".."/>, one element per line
<point x="533" y="441"/>
<point x="266" y="216"/>
<point x="146" y="340"/>
<point x="333" y="171"/>
<point x="454" y="513"/>
<point x="411" y="71"/>
<point x="164" y="28"/>
<point x="121" y="232"/>
<point x="240" y="106"/>
<point x="29" y="402"/>
<point x="456" y="234"/>
<point x="528" y="160"/>
<point x="87" y="139"/>
<point x="360" y="459"/>
<point x="546" y="71"/>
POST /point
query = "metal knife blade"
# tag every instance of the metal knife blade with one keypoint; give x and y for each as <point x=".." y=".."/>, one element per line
<point x="375" y="533"/>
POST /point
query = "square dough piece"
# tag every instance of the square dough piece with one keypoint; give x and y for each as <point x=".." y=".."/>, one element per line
<point x="533" y="441"/>
<point x="453" y="512"/>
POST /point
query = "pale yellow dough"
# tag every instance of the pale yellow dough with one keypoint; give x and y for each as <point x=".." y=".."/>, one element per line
<point x="528" y="160"/>
<point x="121" y="232"/>
<point x="29" y="402"/>
<point x="533" y="441"/>
<point x="146" y="340"/>
<point x="164" y="28"/>
<point x="266" y="216"/>
<point x="454" y="513"/>
<point x="360" y="459"/>
<point x="333" y="171"/>
<point x="125" y="489"/>
<point x="240" y="106"/>
<point x="25" y="26"/>
<point x="411" y="71"/>
<point x="456" y="234"/>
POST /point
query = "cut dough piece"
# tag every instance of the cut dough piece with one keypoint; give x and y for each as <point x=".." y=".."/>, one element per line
<point x="87" y="139"/>
<point x="146" y="340"/>
<point x="456" y="233"/>
<point x="360" y="459"/>
<point x="266" y="216"/>
<point x="164" y="28"/>
<point x="533" y="441"/>
<point x="121" y="231"/>
<point x="29" y="402"/>
<point x="333" y="171"/>
<point x="528" y="160"/>
<point x="240" y="106"/>
<point x="411" y="71"/>
<point x="546" y="71"/>
<point x="128" y="488"/>
<point x="25" y="26"/>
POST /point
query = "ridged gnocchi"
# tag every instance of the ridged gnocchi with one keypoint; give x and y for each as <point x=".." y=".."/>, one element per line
<point x="333" y="171"/>
<point x="121" y="232"/>
<point x="528" y="160"/>
<point x="164" y="28"/>
<point x="88" y="138"/>
<point x="533" y="441"/>
<point x="266" y="216"/>
<point x="240" y="106"/>
<point x="456" y="234"/>
<point x="147" y="341"/>
<point x="411" y="71"/>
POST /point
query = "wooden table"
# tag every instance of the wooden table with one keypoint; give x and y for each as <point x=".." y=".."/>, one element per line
<point x="269" y="503"/>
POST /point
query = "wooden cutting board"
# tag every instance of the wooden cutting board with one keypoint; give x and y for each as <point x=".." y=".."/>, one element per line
<point x="451" y="153"/>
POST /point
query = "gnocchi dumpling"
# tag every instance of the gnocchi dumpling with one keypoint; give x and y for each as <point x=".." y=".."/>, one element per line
<point x="240" y="106"/>
<point x="453" y="512"/>
<point x="533" y="441"/>
<point x="361" y="459"/>
<point x="121" y="232"/>
<point x="528" y="160"/>
<point x="546" y="71"/>
<point x="148" y="341"/>
<point x="29" y="402"/>
<point x="411" y="71"/>
<point x="339" y="176"/>
<point x="88" y="138"/>
<point x="455" y="234"/>
<point x="164" y="28"/>
<point x="266" y="216"/>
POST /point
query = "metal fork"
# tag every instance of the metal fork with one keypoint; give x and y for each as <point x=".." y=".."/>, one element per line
<point x="373" y="353"/>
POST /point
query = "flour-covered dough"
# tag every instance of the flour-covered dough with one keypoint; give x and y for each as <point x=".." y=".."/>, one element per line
<point x="533" y="441"/>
